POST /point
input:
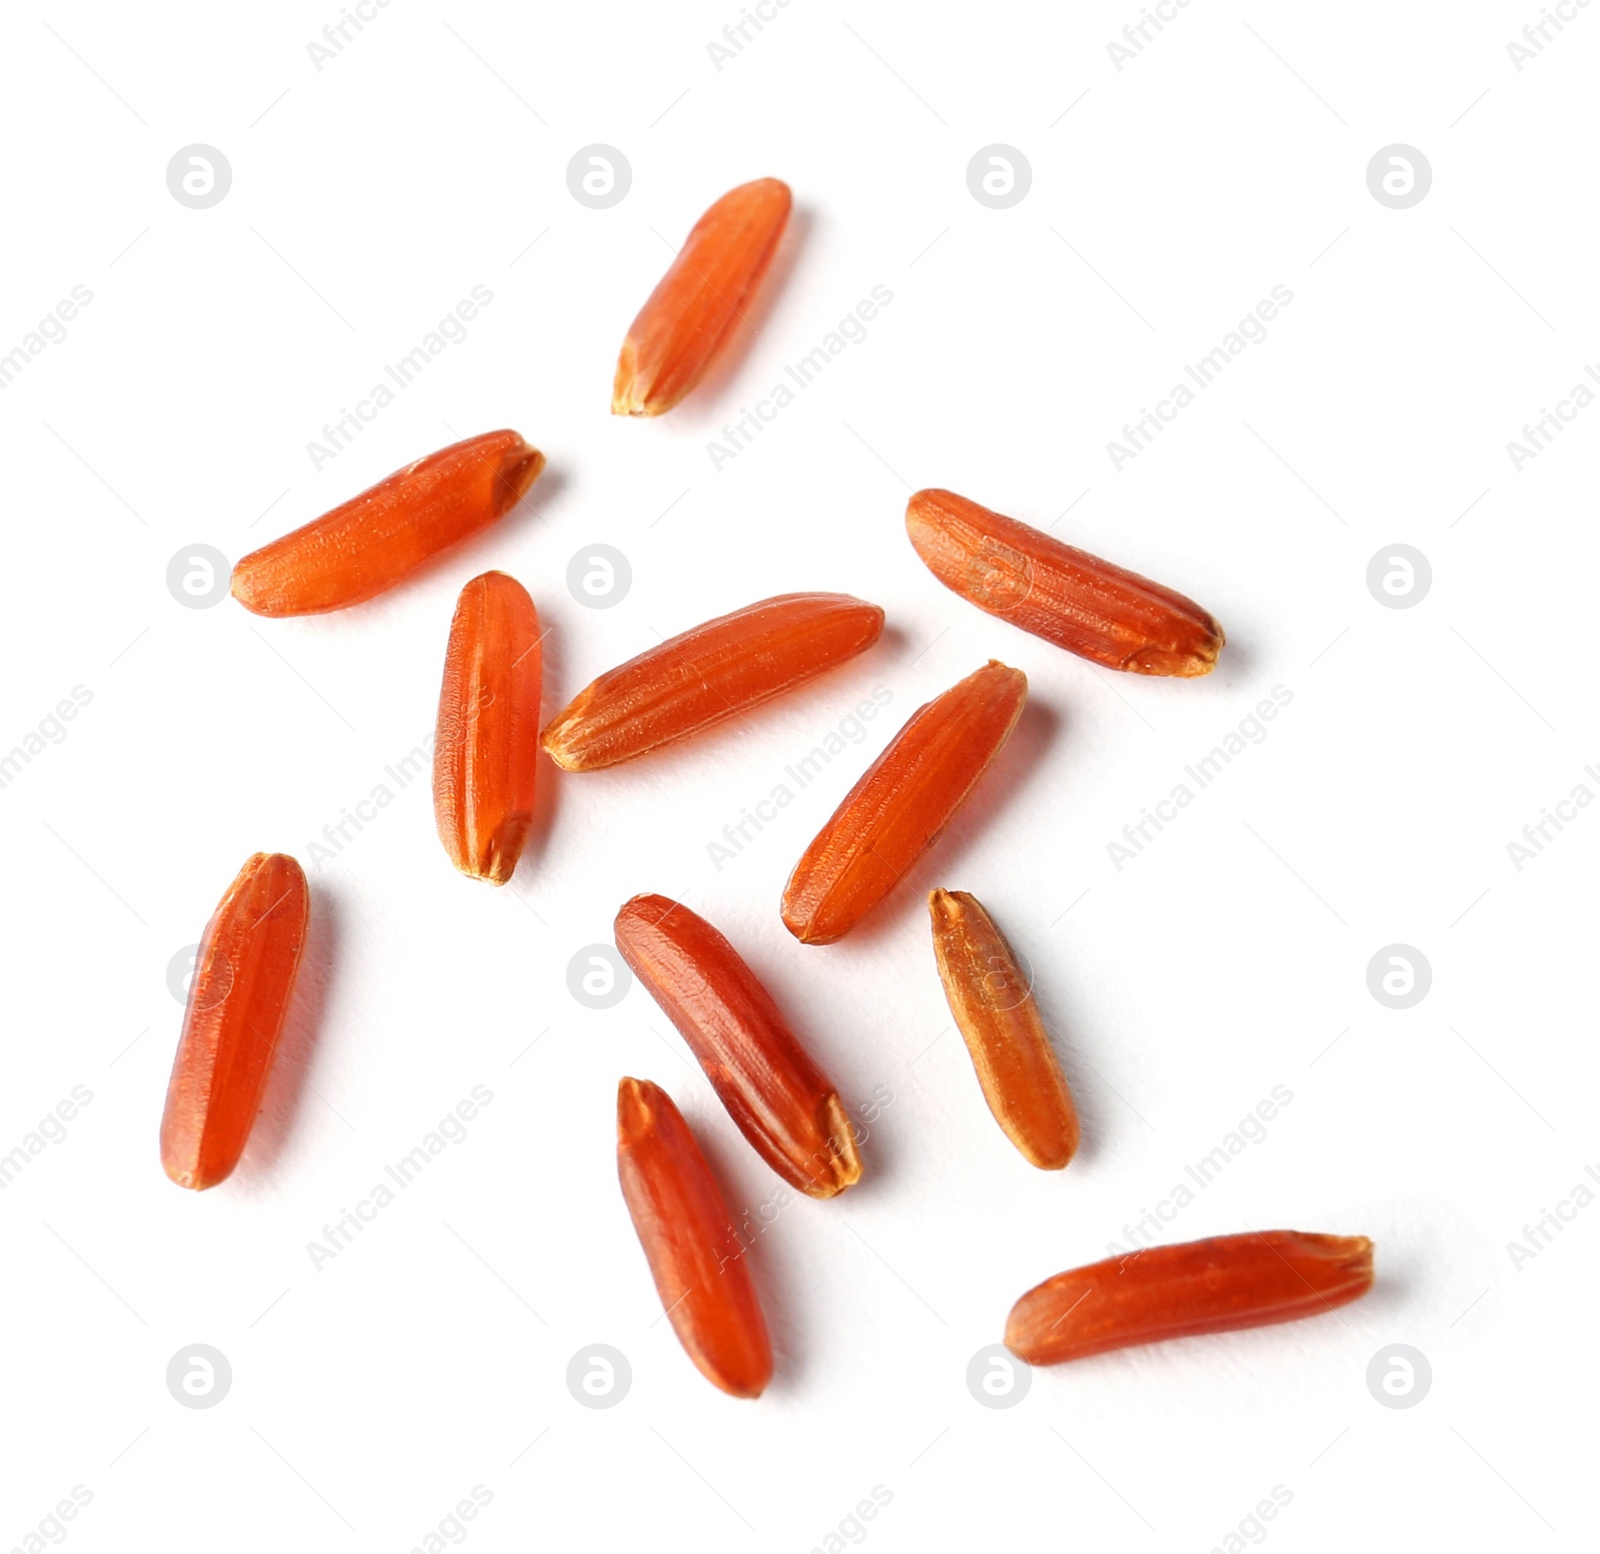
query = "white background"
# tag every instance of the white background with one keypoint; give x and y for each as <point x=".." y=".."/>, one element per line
<point x="1167" y="200"/>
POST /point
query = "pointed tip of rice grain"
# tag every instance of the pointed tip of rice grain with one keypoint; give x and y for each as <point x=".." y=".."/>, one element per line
<point x="635" y="1107"/>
